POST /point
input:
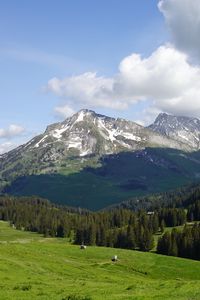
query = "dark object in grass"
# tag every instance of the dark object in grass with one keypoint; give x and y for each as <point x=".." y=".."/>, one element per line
<point x="83" y="247"/>
<point x="114" y="258"/>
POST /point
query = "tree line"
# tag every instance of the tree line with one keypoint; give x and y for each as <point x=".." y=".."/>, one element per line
<point x="185" y="243"/>
<point x="116" y="227"/>
<point x="119" y="227"/>
<point x="180" y="198"/>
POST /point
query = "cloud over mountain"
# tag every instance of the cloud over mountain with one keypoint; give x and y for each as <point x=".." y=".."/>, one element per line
<point x="8" y="137"/>
<point x="12" y="131"/>
<point x="165" y="79"/>
<point x="64" y="111"/>
<point x="7" y="146"/>
<point x="183" y="19"/>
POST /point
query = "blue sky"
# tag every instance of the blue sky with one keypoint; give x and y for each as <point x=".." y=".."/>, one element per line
<point x="63" y="40"/>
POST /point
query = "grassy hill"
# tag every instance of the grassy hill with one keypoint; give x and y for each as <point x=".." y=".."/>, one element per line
<point x="32" y="267"/>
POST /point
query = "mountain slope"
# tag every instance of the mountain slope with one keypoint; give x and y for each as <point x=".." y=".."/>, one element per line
<point x="92" y="161"/>
<point x="118" y="177"/>
<point x="179" y="128"/>
<point x="84" y="134"/>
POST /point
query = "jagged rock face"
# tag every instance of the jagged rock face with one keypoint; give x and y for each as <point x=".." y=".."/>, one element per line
<point x="183" y="129"/>
<point x="82" y="135"/>
<point x="89" y="133"/>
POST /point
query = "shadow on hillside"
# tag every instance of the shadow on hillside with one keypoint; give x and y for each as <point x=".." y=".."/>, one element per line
<point x="120" y="177"/>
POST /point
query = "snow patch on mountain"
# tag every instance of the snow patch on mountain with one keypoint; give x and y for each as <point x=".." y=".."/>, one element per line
<point x="57" y="133"/>
<point x="179" y="128"/>
<point x="42" y="140"/>
<point x="81" y="116"/>
<point x="87" y="134"/>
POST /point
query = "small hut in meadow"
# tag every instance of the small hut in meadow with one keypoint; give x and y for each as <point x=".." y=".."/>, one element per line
<point x="83" y="247"/>
<point x="115" y="258"/>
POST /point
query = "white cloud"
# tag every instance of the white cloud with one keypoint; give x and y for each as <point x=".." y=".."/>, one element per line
<point x="5" y="147"/>
<point x="165" y="77"/>
<point x="160" y="76"/>
<point x="64" y="111"/>
<point x="87" y="90"/>
<point x="183" y="20"/>
<point x="12" y="131"/>
<point x="148" y="115"/>
<point x="165" y="80"/>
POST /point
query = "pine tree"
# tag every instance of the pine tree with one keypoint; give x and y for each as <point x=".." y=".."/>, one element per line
<point x="162" y="226"/>
<point x="173" y="250"/>
<point x="131" y="239"/>
<point x="146" y="242"/>
<point x="155" y="223"/>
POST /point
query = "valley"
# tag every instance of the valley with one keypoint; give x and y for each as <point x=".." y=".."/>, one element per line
<point x="100" y="150"/>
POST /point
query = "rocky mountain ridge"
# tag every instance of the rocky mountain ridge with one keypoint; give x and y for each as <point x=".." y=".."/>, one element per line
<point x="85" y="129"/>
<point x="91" y="160"/>
<point x="84" y="134"/>
<point x="179" y="128"/>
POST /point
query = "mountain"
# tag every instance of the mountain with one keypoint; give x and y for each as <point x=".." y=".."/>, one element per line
<point x="179" y="128"/>
<point x="84" y="134"/>
<point x="92" y="161"/>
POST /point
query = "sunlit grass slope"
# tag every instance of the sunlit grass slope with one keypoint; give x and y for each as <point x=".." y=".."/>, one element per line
<point x="32" y="267"/>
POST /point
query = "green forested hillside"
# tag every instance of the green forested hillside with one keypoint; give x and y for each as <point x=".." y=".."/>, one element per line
<point x="112" y="179"/>
<point x="33" y="267"/>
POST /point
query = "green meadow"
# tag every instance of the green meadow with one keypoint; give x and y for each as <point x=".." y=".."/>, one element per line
<point x="33" y="267"/>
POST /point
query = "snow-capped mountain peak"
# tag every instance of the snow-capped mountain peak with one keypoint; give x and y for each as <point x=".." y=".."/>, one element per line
<point x="179" y="128"/>
<point x="86" y="134"/>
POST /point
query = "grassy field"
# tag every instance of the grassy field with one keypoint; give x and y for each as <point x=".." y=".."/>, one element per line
<point x="32" y="267"/>
<point x="7" y="234"/>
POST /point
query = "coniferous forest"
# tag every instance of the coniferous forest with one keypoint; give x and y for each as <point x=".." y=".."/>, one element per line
<point x="115" y="227"/>
<point x="184" y="243"/>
